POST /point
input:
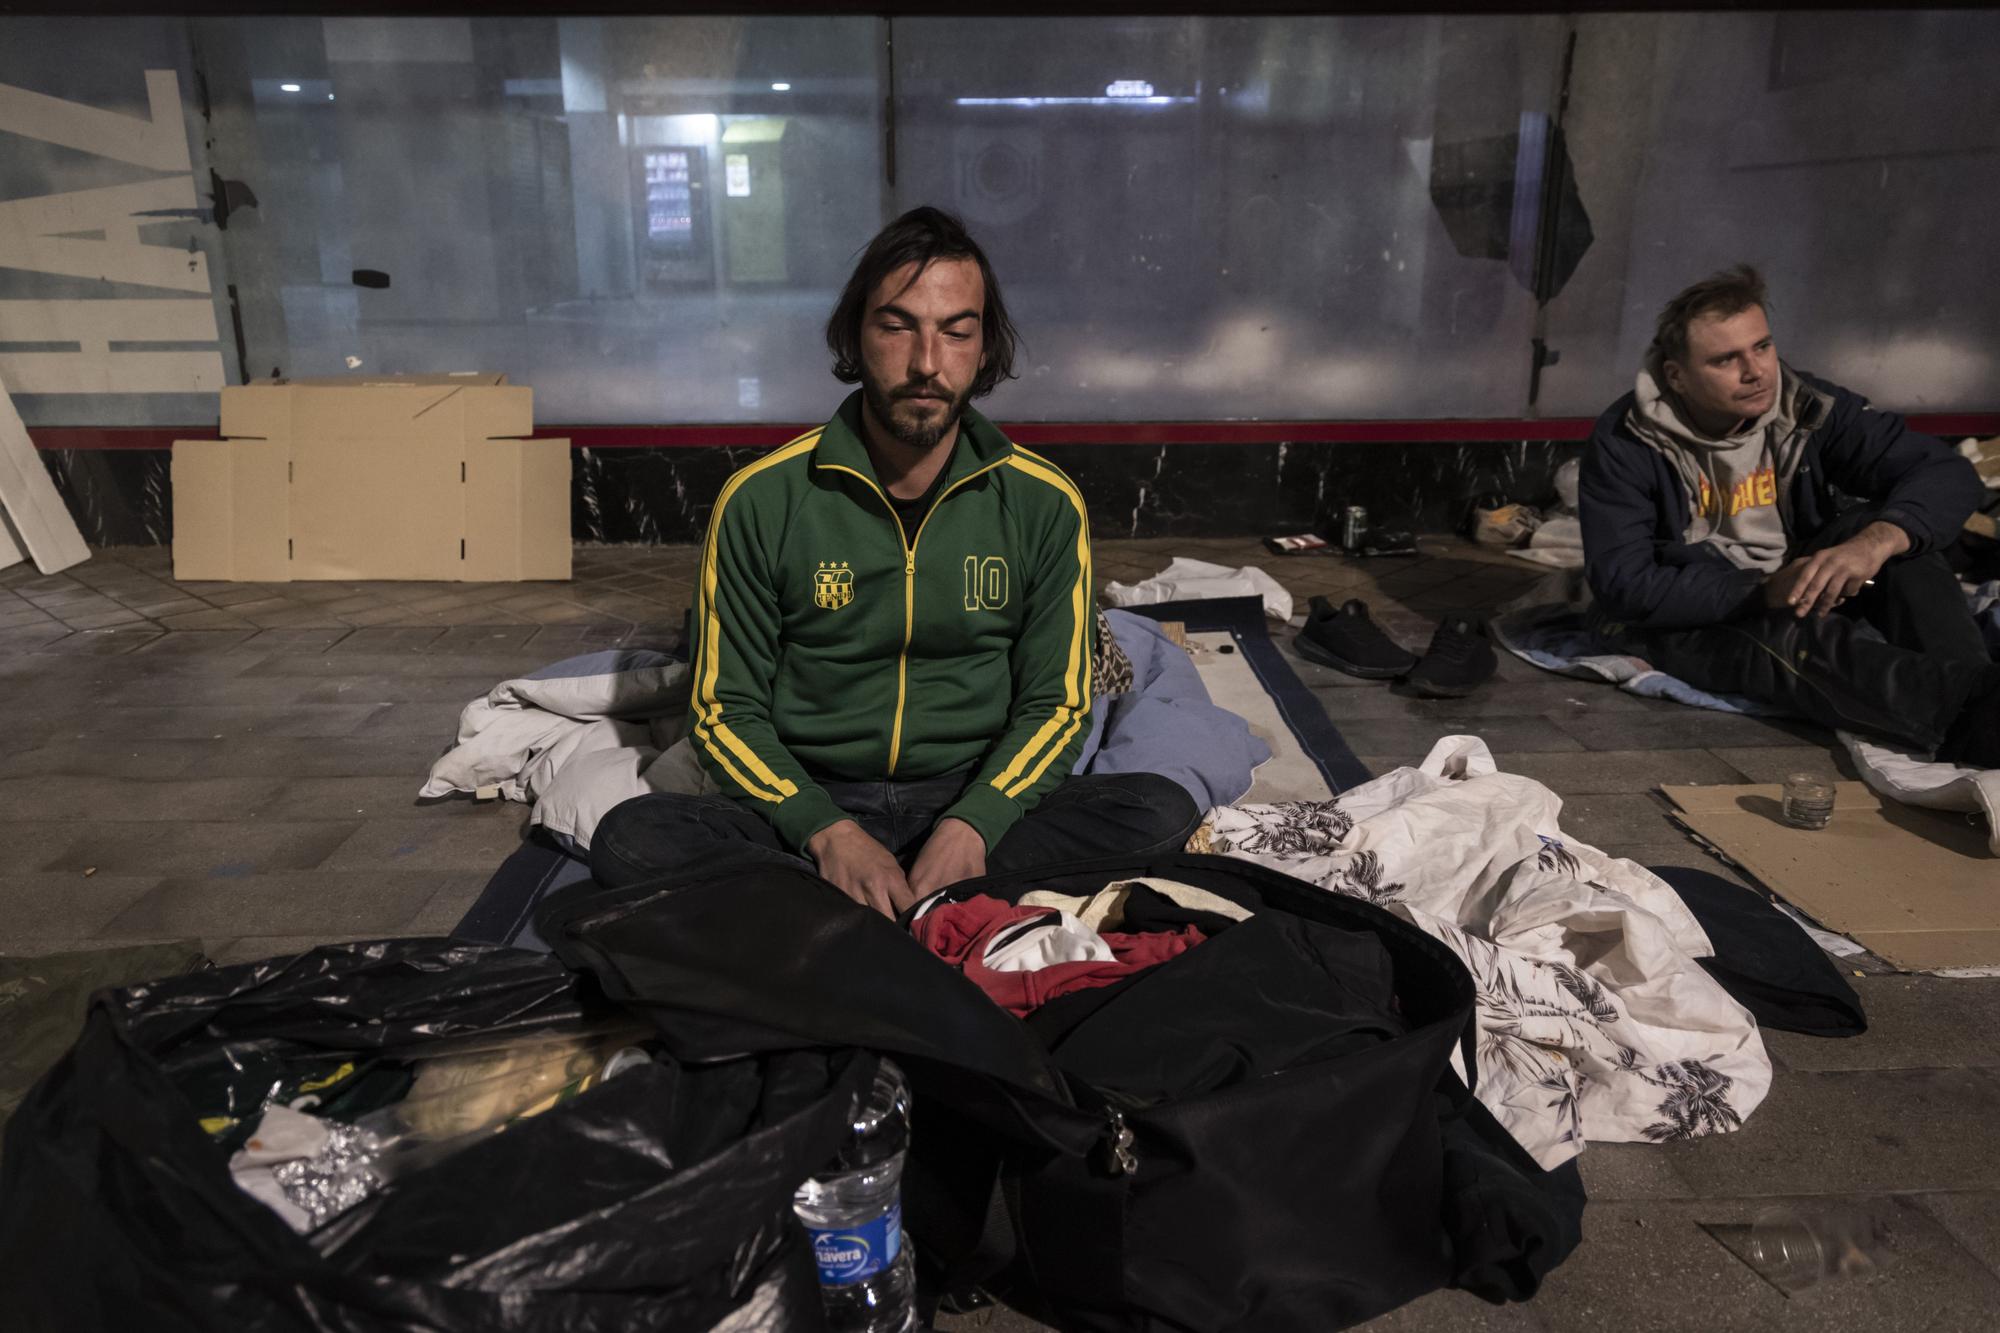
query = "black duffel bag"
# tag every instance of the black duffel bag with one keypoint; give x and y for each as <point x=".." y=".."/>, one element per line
<point x="1307" y="1199"/>
<point x="660" y="1199"/>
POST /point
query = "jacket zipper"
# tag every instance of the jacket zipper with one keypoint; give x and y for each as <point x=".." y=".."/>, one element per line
<point x="909" y="544"/>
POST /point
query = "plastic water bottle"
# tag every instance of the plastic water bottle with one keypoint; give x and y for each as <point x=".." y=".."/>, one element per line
<point x="853" y="1209"/>
<point x="1795" y="1249"/>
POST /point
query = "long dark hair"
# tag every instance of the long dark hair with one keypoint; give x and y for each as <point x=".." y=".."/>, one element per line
<point x="920" y="237"/>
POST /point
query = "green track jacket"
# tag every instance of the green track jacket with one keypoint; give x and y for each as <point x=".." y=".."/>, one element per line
<point x="830" y="644"/>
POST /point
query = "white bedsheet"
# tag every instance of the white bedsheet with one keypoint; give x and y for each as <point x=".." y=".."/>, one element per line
<point x="1595" y="1020"/>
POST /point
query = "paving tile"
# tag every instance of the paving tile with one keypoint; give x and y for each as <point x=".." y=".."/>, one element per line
<point x="1973" y="1219"/>
<point x="159" y="607"/>
<point x="290" y="615"/>
<point x="208" y="689"/>
<point x="100" y="642"/>
<point x="1904" y="1031"/>
<point x="482" y="638"/>
<point x="27" y="847"/>
<point x="1597" y="771"/>
<point x="193" y="642"/>
<point x="554" y="642"/>
<point x="280" y="758"/>
<point x="1845" y="1132"/>
<point x="91" y="799"/>
<point x="25" y="639"/>
<point x="103" y="758"/>
<point x="256" y="948"/>
<point x="355" y="798"/>
<point x="195" y="723"/>
<point x="299" y="903"/>
<point x="60" y="596"/>
<point x="312" y="641"/>
<point x="456" y="616"/>
<point x="221" y="849"/>
<point x="66" y="905"/>
<point x="207" y="619"/>
<point x="1408" y="741"/>
<point x="388" y="639"/>
<point x="1775" y="763"/>
<point x="343" y="605"/>
<point x="1628" y="1171"/>
<point x="398" y="689"/>
<point x="95" y="620"/>
<point x="1615" y="817"/>
<point x="238" y="594"/>
<point x="341" y="666"/>
<point x="1681" y="728"/>
<point x="568" y="613"/>
<point x="435" y="719"/>
<point x="441" y="915"/>
<point x="26" y="617"/>
<point x="1656" y="1265"/>
<point x="326" y="594"/>
<point x="477" y="838"/>
<point x="390" y="615"/>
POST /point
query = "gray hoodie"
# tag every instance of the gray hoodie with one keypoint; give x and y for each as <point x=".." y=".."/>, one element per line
<point x="1736" y="485"/>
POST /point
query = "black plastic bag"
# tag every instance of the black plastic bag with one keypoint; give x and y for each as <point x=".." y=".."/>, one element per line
<point x="658" y="1200"/>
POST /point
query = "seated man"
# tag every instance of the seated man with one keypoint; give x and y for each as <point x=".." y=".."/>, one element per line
<point x="1741" y="522"/>
<point x="893" y="625"/>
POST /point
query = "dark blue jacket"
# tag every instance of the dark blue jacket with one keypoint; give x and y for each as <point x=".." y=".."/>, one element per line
<point x="1635" y="510"/>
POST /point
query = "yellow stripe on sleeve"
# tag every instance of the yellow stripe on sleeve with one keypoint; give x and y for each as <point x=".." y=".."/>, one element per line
<point x="1076" y="674"/>
<point x="708" y="666"/>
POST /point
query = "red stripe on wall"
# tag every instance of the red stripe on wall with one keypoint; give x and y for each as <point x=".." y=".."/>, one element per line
<point x="1948" y="425"/>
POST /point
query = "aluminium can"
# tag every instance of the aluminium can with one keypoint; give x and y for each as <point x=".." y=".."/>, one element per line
<point x="1353" y="524"/>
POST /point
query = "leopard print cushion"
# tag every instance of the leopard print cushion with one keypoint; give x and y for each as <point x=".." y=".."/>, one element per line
<point x="1110" y="668"/>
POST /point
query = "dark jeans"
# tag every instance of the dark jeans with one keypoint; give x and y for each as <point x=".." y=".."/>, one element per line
<point x="1114" y="814"/>
<point x="1906" y="681"/>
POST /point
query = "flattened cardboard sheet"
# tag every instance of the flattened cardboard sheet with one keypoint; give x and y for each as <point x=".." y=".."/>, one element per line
<point x="1918" y="887"/>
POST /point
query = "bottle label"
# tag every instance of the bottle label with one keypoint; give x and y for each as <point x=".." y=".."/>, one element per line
<point x="857" y="1253"/>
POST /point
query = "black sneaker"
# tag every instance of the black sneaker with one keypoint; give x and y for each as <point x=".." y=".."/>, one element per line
<point x="1459" y="660"/>
<point x="1349" y="640"/>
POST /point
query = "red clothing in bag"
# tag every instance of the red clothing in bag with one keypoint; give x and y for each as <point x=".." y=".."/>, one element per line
<point x="961" y="932"/>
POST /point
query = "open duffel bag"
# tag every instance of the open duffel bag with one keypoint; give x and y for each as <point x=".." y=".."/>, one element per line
<point x="1279" y="1170"/>
<point x="657" y="1198"/>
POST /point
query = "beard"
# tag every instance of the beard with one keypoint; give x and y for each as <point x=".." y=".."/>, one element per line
<point x="901" y="417"/>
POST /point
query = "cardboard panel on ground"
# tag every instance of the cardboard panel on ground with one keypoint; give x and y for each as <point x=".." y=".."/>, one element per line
<point x="1918" y="887"/>
<point x="425" y="477"/>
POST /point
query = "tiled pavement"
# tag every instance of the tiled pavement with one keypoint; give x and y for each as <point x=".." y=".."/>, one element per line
<point x="238" y="763"/>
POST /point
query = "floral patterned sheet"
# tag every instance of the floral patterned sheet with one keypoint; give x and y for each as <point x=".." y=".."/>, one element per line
<point x="1595" y="1021"/>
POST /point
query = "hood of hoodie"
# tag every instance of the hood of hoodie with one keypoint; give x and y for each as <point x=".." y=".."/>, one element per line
<point x="1658" y="419"/>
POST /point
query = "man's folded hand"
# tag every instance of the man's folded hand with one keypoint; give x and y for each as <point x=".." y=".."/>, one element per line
<point x="860" y="867"/>
<point x="954" y="851"/>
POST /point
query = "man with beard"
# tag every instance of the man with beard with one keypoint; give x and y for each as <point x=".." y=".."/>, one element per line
<point x="893" y="625"/>
<point x="1756" y="531"/>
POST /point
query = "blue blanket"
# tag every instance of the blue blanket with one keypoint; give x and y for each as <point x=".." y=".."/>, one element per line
<point x="1167" y="725"/>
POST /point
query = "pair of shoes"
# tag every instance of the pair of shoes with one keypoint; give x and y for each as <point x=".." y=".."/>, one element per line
<point x="1459" y="660"/>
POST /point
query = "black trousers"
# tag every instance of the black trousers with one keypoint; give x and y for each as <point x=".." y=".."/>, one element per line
<point x="1904" y="682"/>
<point x="1113" y="814"/>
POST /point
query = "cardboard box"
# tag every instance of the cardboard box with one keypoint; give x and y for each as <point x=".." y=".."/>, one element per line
<point x="403" y="477"/>
<point x="1915" y="886"/>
